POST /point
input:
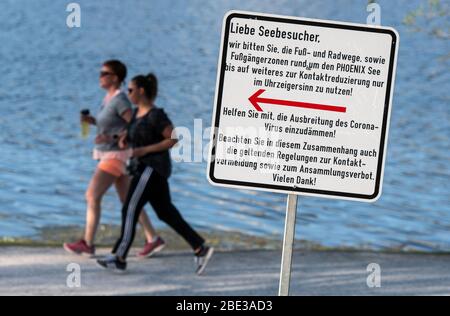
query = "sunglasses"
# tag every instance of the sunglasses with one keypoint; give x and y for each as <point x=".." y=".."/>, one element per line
<point x="105" y="73"/>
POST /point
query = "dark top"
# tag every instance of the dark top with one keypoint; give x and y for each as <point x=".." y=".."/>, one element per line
<point x="147" y="130"/>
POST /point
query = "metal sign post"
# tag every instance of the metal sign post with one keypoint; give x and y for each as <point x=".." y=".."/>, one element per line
<point x="288" y="242"/>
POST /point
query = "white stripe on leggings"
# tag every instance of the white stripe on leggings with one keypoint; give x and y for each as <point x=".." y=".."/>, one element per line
<point x="132" y="209"/>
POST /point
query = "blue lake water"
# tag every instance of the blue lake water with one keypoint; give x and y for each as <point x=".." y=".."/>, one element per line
<point x="50" y="72"/>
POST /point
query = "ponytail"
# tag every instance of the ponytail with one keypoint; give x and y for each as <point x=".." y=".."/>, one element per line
<point x="153" y="86"/>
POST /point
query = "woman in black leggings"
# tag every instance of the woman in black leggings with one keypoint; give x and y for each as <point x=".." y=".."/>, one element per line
<point x="149" y="134"/>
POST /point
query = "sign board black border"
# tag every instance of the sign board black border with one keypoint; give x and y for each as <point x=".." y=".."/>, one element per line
<point x="291" y="189"/>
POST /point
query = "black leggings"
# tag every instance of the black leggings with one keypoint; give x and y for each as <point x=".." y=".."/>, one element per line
<point x="148" y="186"/>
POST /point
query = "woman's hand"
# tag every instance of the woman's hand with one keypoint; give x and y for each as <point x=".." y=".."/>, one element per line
<point x="123" y="143"/>
<point x="87" y="119"/>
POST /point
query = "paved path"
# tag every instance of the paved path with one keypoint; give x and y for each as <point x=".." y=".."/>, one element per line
<point x="42" y="271"/>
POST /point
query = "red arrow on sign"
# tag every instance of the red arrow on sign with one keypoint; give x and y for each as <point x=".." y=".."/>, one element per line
<point x="255" y="99"/>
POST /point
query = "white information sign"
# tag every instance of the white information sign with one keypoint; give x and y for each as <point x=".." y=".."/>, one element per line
<point x="302" y="106"/>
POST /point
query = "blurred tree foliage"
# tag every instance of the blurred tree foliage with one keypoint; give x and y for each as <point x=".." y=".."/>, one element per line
<point x="431" y="17"/>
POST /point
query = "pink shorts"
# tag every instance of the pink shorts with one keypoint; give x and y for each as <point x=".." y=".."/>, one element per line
<point x="115" y="167"/>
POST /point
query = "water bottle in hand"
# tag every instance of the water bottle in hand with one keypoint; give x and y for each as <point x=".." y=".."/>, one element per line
<point x="84" y="124"/>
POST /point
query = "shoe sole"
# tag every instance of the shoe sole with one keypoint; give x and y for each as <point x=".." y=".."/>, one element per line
<point x="154" y="251"/>
<point x="115" y="270"/>
<point x="207" y="258"/>
<point x="83" y="254"/>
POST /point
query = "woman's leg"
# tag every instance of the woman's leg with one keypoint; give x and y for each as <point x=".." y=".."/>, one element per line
<point x="122" y="186"/>
<point x="100" y="183"/>
<point x="159" y="196"/>
<point x="136" y="198"/>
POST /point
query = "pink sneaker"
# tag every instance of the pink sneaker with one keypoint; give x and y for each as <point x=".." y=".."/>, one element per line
<point x="151" y="248"/>
<point x="80" y="248"/>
